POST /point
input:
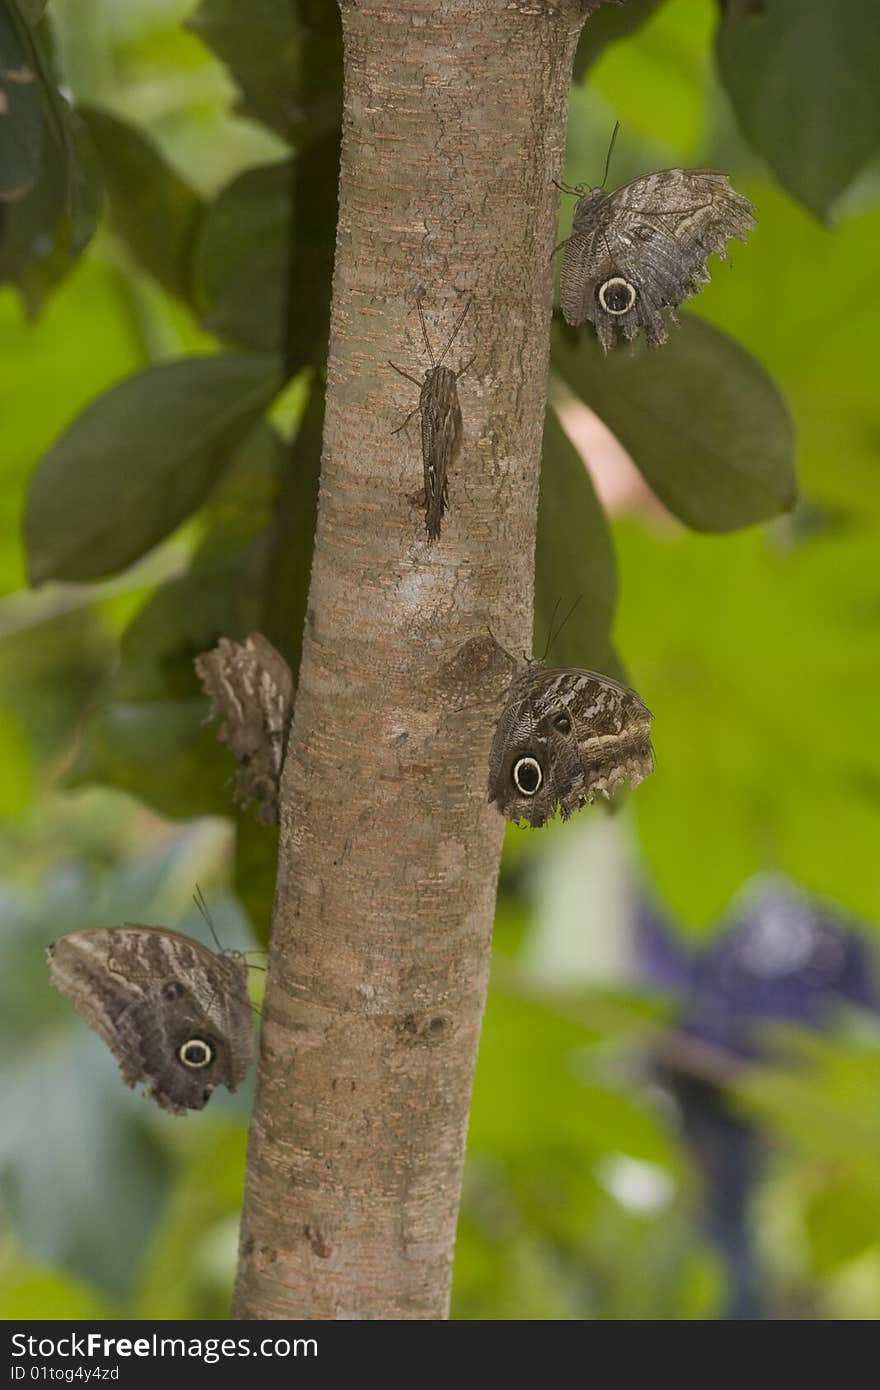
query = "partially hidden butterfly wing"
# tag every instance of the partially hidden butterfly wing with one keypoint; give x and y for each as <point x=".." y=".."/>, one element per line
<point x="563" y="738"/>
<point x="175" y="1014"/>
<point x="251" y="690"/>
<point x="645" y="247"/>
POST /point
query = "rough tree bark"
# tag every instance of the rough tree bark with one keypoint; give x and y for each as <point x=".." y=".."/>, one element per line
<point x="453" y="131"/>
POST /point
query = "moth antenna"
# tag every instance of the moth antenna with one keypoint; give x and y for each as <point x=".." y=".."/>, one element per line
<point x="461" y="320"/>
<point x="609" y="154"/>
<point x="419" y="293"/>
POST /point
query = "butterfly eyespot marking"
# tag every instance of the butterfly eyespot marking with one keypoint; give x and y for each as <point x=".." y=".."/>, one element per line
<point x="195" y="1053"/>
<point x="562" y="723"/>
<point x="527" y="776"/>
<point x="617" y="296"/>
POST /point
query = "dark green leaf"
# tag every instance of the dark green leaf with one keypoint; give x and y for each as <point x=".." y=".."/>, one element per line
<point x="42" y="232"/>
<point x="574" y="559"/>
<point x="153" y="208"/>
<point x="316" y="181"/>
<point x="149" y="733"/>
<point x="285" y="55"/>
<point x="264" y="261"/>
<point x="293" y="533"/>
<point x="607" y="26"/>
<point x="700" y="416"/>
<point x="256" y="868"/>
<point x="161" y="751"/>
<point x="138" y="460"/>
<point x="33" y="10"/>
<point x="802" y="76"/>
<point x="21" y="114"/>
<point x="242" y="257"/>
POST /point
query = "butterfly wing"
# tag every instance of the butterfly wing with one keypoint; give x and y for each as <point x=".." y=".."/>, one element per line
<point x="645" y="247"/>
<point x="564" y="737"/>
<point x="149" y="992"/>
<point x="251" y="690"/>
<point x="521" y="772"/>
<point x="611" y="726"/>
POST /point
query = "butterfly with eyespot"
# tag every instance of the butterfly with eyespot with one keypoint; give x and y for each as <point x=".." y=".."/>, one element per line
<point x="175" y="1014"/>
<point x="644" y="248"/>
<point x="564" y="737"/>
<point x="251" y="690"/>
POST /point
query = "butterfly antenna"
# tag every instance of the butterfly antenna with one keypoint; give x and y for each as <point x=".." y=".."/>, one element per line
<point x="201" y="904"/>
<point x="609" y="154"/>
<point x="557" y="634"/>
<point x="550" y="628"/>
<point x="461" y="318"/>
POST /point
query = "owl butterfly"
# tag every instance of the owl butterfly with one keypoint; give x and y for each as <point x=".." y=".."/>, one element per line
<point x="644" y="248"/>
<point x="175" y="1014"/>
<point x="251" y="690"/>
<point x="563" y="738"/>
<point x="441" y="422"/>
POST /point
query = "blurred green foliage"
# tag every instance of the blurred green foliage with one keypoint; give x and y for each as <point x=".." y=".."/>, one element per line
<point x="213" y="131"/>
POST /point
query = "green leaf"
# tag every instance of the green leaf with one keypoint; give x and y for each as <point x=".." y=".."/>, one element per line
<point x="574" y="559"/>
<point x="154" y="210"/>
<point x="315" y="192"/>
<point x="843" y="1221"/>
<point x="293" y="533"/>
<point x="33" y="10"/>
<point x="138" y="460"/>
<point x="607" y="26"/>
<point x="701" y="418"/>
<point x="148" y="733"/>
<point x="21" y="116"/>
<point x="802" y="76"/>
<point x="242" y="258"/>
<point x="43" y="231"/>
<point x="285" y="55"/>
<point x="45" y="385"/>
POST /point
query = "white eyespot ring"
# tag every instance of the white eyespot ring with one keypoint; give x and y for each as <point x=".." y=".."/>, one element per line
<point x="195" y="1053"/>
<point x="527" y="776"/>
<point x="617" y="296"/>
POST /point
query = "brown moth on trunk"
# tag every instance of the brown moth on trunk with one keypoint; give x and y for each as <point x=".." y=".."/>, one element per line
<point x="251" y="690"/>
<point x="441" y="423"/>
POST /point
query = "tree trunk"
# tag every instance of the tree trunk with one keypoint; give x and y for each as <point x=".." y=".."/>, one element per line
<point x="453" y="132"/>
